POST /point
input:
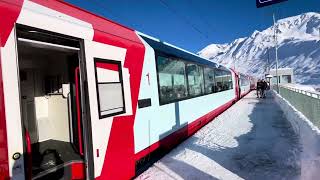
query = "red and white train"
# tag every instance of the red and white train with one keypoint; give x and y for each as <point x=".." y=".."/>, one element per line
<point x="82" y="97"/>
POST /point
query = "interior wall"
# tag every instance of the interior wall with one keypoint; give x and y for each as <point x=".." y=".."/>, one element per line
<point x="46" y="116"/>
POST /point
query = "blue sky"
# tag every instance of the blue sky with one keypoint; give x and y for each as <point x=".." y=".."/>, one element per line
<point x="193" y="24"/>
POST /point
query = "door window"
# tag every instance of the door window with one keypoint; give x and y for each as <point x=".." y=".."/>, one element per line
<point x="109" y="88"/>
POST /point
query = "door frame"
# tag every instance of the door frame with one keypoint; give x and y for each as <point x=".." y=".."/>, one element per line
<point x="86" y="116"/>
<point x="85" y="108"/>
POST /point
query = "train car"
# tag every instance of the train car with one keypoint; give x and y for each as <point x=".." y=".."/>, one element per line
<point x="189" y="91"/>
<point x="83" y="97"/>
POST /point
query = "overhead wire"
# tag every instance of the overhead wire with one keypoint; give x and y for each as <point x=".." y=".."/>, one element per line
<point x="183" y="18"/>
<point x="202" y="19"/>
<point x="165" y="4"/>
<point x="102" y="6"/>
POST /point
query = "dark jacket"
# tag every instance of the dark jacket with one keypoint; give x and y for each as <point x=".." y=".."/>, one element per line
<point x="259" y="85"/>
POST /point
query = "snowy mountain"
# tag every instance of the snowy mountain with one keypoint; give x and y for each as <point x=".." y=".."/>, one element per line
<point x="298" y="40"/>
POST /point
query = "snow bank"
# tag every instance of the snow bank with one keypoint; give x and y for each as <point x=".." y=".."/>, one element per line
<point x="309" y="138"/>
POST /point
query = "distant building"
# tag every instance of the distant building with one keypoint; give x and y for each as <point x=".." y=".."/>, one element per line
<point x="285" y="75"/>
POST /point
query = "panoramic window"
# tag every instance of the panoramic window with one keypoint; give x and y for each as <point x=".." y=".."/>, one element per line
<point x="209" y="80"/>
<point x="109" y="88"/>
<point x="172" y="80"/>
<point x="195" y="79"/>
<point x="228" y="81"/>
<point x="223" y="80"/>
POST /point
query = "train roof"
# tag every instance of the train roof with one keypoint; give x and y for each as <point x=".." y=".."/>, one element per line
<point x="170" y="49"/>
<point x="99" y="23"/>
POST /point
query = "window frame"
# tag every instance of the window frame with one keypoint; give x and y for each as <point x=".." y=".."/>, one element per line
<point x="157" y="54"/>
<point x="223" y="75"/>
<point x="201" y="73"/>
<point x="229" y="75"/>
<point x="214" y="79"/>
<point x="287" y="78"/>
<point x="118" y="63"/>
<point x="158" y="79"/>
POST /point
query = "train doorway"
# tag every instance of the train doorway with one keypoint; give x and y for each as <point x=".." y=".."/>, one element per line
<point x="50" y="89"/>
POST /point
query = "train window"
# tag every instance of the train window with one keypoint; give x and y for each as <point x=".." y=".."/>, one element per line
<point x="172" y="79"/>
<point x="286" y="78"/>
<point x="244" y="81"/>
<point x="228" y="81"/>
<point x="219" y="80"/>
<point x="195" y="79"/>
<point x="223" y="80"/>
<point x="109" y="88"/>
<point x="209" y="82"/>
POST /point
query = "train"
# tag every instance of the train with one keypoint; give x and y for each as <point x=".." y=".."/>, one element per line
<point x="83" y="97"/>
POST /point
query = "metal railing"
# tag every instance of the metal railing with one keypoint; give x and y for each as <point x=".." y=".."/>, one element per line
<point x="307" y="102"/>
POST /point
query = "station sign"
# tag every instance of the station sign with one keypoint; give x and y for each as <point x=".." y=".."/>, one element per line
<point x="262" y="3"/>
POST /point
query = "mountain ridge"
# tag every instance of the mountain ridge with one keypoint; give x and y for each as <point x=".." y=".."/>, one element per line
<point x="298" y="39"/>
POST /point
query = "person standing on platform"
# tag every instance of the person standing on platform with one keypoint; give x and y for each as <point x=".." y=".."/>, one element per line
<point x="263" y="88"/>
<point x="259" y="88"/>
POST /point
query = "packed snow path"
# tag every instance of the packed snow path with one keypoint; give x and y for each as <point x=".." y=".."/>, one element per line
<point x="251" y="140"/>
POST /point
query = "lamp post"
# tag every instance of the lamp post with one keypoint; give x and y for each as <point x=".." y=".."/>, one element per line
<point x="276" y="48"/>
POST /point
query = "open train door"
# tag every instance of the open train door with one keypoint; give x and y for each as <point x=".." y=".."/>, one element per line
<point x="42" y="75"/>
<point x="109" y="94"/>
<point x="49" y="71"/>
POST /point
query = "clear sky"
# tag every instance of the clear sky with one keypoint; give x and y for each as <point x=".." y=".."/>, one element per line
<point x="194" y="24"/>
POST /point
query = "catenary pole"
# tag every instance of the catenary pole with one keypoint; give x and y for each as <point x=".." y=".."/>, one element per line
<point x="276" y="49"/>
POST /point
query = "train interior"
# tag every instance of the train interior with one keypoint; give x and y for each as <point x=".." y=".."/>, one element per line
<point x="50" y="101"/>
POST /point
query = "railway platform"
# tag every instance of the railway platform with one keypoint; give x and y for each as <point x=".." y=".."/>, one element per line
<point x="250" y="140"/>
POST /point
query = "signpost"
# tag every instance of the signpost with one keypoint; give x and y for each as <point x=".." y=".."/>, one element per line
<point x="262" y="3"/>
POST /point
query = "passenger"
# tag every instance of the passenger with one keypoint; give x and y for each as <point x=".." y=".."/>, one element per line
<point x="268" y="85"/>
<point x="265" y="88"/>
<point x="259" y="88"/>
<point x="262" y="88"/>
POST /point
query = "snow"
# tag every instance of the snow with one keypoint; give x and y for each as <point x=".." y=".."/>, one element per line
<point x="309" y="136"/>
<point x="251" y="140"/>
<point x="212" y="50"/>
<point x="298" y="42"/>
<point x="302" y="87"/>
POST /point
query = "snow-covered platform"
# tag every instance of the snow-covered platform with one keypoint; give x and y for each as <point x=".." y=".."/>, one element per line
<point x="251" y="140"/>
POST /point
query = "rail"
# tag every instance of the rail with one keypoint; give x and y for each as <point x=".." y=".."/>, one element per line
<point x="307" y="102"/>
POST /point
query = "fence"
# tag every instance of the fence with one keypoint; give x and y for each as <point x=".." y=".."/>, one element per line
<point x="308" y="103"/>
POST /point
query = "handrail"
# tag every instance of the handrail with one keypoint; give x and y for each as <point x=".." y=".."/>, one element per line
<point x="305" y="92"/>
<point x="29" y="154"/>
<point x="77" y="71"/>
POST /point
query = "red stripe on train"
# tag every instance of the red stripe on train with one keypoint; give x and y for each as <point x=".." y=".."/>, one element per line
<point x="8" y="17"/>
<point x="119" y="161"/>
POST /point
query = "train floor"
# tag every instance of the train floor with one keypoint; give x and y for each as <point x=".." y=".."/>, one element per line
<point x="251" y="140"/>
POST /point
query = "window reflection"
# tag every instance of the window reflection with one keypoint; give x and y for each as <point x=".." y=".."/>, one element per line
<point x="209" y="80"/>
<point x="195" y="79"/>
<point x="179" y="79"/>
<point x="172" y="79"/>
